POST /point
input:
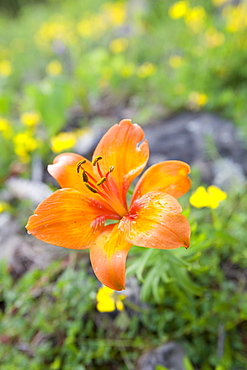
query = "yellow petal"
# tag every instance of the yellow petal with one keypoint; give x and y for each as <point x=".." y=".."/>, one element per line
<point x="216" y="196"/>
<point x="200" y="198"/>
<point x="108" y="305"/>
<point x="119" y="305"/>
<point x="105" y="301"/>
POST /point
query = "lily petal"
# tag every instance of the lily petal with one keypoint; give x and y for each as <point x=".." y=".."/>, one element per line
<point x="68" y="219"/>
<point x="64" y="171"/>
<point x="154" y="221"/>
<point x="108" y="256"/>
<point x="169" y="177"/>
<point x="119" y="148"/>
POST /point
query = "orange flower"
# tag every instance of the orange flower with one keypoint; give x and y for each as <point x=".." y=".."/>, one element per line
<point x="94" y="192"/>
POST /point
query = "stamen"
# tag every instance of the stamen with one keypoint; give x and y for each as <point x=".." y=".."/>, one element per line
<point x="78" y="166"/>
<point x="101" y="187"/>
<point x="96" y="159"/>
<point x="110" y="170"/>
<point x="84" y="176"/>
<point x="100" y="182"/>
<point x="91" y="188"/>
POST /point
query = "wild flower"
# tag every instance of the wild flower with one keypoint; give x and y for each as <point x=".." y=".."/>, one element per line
<point x="30" y="119"/>
<point x="146" y="69"/>
<point x="5" y="127"/>
<point x="24" y="144"/>
<point x="54" y="68"/>
<point x="63" y="141"/>
<point x="197" y="100"/>
<point x="5" y="68"/>
<point x="118" y="45"/>
<point x="175" y="61"/>
<point x="207" y="198"/>
<point x="178" y="9"/>
<point x="108" y="300"/>
<point x="91" y="209"/>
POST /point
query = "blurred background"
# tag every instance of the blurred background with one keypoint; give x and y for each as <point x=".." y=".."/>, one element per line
<point x="68" y="71"/>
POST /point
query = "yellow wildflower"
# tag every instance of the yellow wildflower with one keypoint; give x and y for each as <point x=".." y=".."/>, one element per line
<point x="115" y="13"/>
<point x="63" y="141"/>
<point x="128" y="70"/>
<point x="5" y="128"/>
<point x="98" y="23"/>
<point x="178" y="9"/>
<point x="197" y="100"/>
<point x="4" y="206"/>
<point x="207" y="198"/>
<point x="5" y="68"/>
<point x="4" y="125"/>
<point x="54" y="68"/>
<point x="85" y="28"/>
<point x="195" y="18"/>
<point x="92" y="25"/>
<point x="55" y="29"/>
<point x="118" y="45"/>
<point x="236" y="17"/>
<point x="24" y="144"/>
<point x="213" y="38"/>
<point x="147" y="69"/>
<point x="108" y="300"/>
<point x="52" y="30"/>
<point x="30" y="119"/>
<point x="216" y="196"/>
<point x="175" y="61"/>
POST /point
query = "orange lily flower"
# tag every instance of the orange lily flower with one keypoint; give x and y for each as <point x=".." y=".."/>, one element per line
<point x="94" y="192"/>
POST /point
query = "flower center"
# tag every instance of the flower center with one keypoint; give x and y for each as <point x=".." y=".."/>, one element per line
<point x="101" y="186"/>
<point x="89" y="180"/>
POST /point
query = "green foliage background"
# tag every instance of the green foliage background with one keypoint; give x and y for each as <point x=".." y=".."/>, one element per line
<point x="197" y="297"/>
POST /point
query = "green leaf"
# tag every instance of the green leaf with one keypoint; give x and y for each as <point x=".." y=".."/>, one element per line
<point x="187" y="364"/>
<point x="160" y="367"/>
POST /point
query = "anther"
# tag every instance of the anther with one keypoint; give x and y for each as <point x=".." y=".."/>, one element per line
<point x="91" y="188"/>
<point x="111" y="168"/>
<point x="100" y="182"/>
<point x="79" y="165"/>
<point x="96" y="159"/>
<point x="84" y="176"/>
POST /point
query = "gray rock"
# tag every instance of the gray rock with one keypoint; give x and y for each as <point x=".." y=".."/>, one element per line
<point x="169" y="355"/>
<point x="22" y="251"/>
<point x="201" y="139"/>
<point x="35" y="191"/>
<point x="9" y="236"/>
<point x="228" y="174"/>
